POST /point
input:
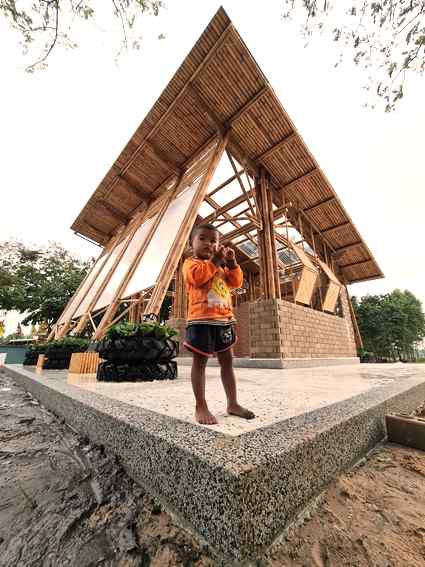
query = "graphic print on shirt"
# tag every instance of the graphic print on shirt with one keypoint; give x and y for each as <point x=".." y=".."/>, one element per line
<point x="219" y="294"/>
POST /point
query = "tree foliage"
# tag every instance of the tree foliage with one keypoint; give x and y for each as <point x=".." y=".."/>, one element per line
<point x="43" y="25"/>
<point x="38" y="281"/>
<point x="392" y="324"/>
<point x="386" y="37"/>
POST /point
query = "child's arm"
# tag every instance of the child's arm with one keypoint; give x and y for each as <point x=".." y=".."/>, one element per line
<point x="197" y="272"/>
<point x="233" y="274"/>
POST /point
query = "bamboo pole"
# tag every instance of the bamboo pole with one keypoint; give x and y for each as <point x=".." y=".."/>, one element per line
<point x="241" y="184"/>
<point x="266" y="237"/>
<point x="67" y="324"/>
<point x="179" y="243"/>
<point x="110" y="312"/>
<point x="129" y="234"/>
<point x="273" y="251"/>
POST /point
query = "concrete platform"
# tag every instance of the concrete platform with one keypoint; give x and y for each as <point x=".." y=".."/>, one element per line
<point x="238" y="484"/>
<point x="279" y="362"/>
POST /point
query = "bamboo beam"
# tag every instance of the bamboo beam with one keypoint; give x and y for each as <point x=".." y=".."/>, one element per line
<point x="319" y="204"/>
<point x="241" y="184"/>
<point x="247" y="106"/>
<point x="342" y="249"/>
<point x="335" y="227"/>
<point x="224" y="184"/>
<point x="238" y="232"/>
<point x="286" y="140"/>
<point x="236" y="201"/>
<point x="137" y="191"/>
<point x="355" y="263"/>
<point x="162" y="158"/>
<point x="123" y="218"/>
<point x="179" y="243"/>
<point x="110" y="312"/>
<point x="218" y="123"/>
<point x="294" y="182"/>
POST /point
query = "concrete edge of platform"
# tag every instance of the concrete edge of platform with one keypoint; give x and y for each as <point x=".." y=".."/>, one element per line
<point x="265" y="363"/>
<point x="240" y="493"/>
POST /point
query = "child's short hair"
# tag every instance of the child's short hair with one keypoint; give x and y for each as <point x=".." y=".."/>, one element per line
<point x="199" y="227"/>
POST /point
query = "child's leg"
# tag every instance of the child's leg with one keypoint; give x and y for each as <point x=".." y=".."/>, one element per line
<point x="225" y="359"/>
<point x="202" y="413"/>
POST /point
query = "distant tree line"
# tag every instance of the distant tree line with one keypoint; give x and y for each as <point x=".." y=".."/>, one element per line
<point x="392" y="325"/>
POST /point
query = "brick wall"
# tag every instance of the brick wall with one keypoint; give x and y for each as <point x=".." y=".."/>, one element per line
<point x="280" y="329"/>
<point x="242" y="347"/>
<point x="306" y="333"/>
<point x="264" y="329"/>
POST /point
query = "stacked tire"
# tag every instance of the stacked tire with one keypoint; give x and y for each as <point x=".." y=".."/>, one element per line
<point x="137" y="359"/>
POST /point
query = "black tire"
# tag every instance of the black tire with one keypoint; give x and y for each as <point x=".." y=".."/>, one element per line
<point x="135" y="350"/>
<point x="145" y="372"/>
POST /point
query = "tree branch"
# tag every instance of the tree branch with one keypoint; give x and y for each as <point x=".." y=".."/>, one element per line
<point x="31" y="67"/>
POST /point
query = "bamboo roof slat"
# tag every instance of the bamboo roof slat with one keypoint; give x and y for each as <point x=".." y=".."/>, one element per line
<point x="233" y="93"/>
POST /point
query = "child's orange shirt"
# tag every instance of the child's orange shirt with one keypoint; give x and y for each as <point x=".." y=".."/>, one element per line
<point x="208" y="288"/>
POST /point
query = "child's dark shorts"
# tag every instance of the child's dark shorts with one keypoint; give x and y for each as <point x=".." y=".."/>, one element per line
<point x="208" y="339"/>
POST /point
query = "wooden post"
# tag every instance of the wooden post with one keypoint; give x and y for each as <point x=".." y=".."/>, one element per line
<point x="177" y="248"/>
<point x="110" y="312"/>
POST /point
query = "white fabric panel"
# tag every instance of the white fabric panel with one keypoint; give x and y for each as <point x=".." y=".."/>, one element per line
<point x="149" y="268"/>
<point x="97" y="283"/>
<point x="83" y="290"/>
<point x="126" y="261"/>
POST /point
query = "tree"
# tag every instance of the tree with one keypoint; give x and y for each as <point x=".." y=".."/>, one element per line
<point x="43" y="25"/>
<point x="392" y="324"/>
<point x="386" y="37"/>
<point x="38" y="281"/>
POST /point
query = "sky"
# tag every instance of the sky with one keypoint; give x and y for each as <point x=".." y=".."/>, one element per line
<point x="62" y="128"/>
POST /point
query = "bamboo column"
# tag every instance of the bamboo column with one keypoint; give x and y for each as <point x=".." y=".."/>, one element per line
<point x="180" y="296"/>
<point x="176" y="251"/>
<point x="266" y="241"/>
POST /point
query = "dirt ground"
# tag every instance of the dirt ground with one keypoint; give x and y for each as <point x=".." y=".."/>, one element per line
<point x="64" y="502"/>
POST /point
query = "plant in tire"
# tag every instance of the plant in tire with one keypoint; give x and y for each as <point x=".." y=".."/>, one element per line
<point x="138" y="352"/>
<point x="143" y="342"/>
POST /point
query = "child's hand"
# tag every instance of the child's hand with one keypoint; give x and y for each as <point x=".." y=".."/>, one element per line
<point x="230" y="258"/>
<point x="219" y="255"/>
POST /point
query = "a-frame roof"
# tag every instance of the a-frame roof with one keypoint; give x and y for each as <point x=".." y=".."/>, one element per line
<point x="219" y="85"/>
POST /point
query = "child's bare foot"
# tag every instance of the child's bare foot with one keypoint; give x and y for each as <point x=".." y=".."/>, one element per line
<point x="204" y="416"/>
<point x="240" y="411"/>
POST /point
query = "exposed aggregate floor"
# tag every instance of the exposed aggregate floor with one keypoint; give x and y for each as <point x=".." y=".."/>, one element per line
<point x="273" y="394"/>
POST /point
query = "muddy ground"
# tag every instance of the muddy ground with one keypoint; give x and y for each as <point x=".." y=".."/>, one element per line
<point x="64" y="502"/>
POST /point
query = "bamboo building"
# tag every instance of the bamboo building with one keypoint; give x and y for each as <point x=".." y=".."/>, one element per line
<point x="218" y="147"/>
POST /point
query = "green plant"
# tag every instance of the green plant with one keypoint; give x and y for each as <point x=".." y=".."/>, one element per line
<point x="73" y="344"/>
<point x="151" y="329"/>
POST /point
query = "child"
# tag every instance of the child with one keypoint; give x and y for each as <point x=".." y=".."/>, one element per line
<point x="210" y="323"/>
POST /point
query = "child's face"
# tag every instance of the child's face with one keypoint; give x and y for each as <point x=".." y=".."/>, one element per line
<point x="205" y="243"/>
